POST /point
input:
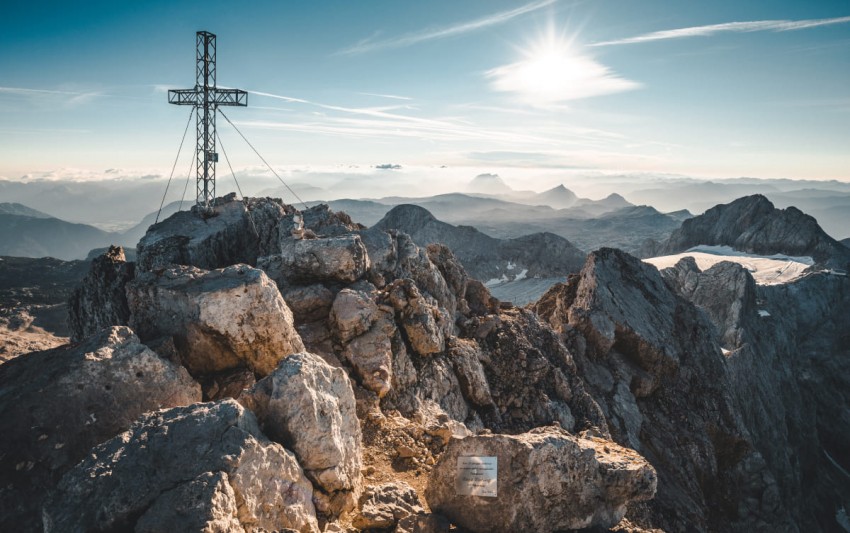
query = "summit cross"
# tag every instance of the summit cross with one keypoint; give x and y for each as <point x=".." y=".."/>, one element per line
<point x="206" y="98"/>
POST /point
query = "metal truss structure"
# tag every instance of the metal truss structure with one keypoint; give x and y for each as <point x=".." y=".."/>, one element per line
<point x="206" y="98"/>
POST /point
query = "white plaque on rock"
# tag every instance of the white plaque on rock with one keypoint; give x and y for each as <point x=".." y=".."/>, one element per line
<point x="477" y="476"/>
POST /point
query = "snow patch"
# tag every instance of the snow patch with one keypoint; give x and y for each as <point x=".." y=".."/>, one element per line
<point x="763" y="313"/>
<point x="510" y="266"/>
<point x="521" y="275"/>
<point x="496" y="281"/>
<point x="765" y="269"/>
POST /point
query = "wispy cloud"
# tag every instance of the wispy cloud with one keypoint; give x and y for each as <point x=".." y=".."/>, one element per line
<point x="727" y="27"/>
<point x="71" y="98"/>
<point x="371" y="44"/>
<point x="390" y="96"/>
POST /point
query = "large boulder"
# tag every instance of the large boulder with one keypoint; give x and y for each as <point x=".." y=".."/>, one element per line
<point x="545" y="480"/>
<point x="236" y="232"/>
<point x="219" y="320"/>
<point x="206" y="503"/>
<point x="309" y="407"/>
<point x="302" y="261"/>
<point x="158" y="468"/>
<point x="100" y="301"/>
<point x="55" y="405"/>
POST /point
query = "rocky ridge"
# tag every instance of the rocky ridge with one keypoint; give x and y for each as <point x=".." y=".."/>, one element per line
<point x="360" y="361"/>
<point x="752" y="224"/>
<point x="483" y="257"/>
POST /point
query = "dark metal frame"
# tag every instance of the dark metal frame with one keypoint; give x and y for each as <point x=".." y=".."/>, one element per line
<point x="206" y="98"/>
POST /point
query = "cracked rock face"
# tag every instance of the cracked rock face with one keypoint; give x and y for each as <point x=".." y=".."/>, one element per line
<point x="652" y="361"/>
<point x="547" y="480"/>
<point x="180" y="458"/>
<point x="309" y="407"/>
<point x="239" y="232"/>
<point x="100" y="301"/>
<point x="55" y="405"/>
<point x="219" y="320"/>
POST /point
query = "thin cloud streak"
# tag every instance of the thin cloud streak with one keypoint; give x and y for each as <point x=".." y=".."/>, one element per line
<point x="390" y="96"/>
<point x="727" y="27"/>
<point x="440" y="33"/>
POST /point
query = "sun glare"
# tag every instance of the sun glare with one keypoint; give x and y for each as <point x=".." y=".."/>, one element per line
<point x="557" y="70"/>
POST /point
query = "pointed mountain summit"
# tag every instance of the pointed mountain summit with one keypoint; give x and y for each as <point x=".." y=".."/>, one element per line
<point x="558" y="197"/>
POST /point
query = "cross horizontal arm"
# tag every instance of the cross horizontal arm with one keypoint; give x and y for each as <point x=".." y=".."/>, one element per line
<point x="185" y="97"/>
<point x="218" y="97"/>
<point x="229" y="97"/>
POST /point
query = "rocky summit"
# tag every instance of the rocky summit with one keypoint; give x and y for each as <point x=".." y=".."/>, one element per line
<point x="269" y="369"/>
<point x="752" y="224"/>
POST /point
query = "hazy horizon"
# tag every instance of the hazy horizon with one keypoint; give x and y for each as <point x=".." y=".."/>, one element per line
<point x="537" y="92"/>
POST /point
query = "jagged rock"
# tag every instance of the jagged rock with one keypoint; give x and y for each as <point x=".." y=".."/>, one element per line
<point x="309" y="407"/>
<point x="383" y="506"/>
<point x="726" y="291"/>
<point x="238" y="232"/>
<point x="518" y="343"/>
<point x="751" y="224"/>
<point x="466" y="358"/>
<point x="652" y="361"/>
<point x="426" y="327"/>
<point x="479" y="299"/>
<point x="328" y="223"/>
<point x="55" y="405"/>
<point x="220" y="319"/>
<point x="372" y="355"/>
<point x="352" y="314"/>
<point x="547" y="480"/>
<point x="206" y="503"/>
<point x="309" y="303"/>
<point x="485" y="257"/>
<point x="100" y="302"/>
<point x="127" y="476"/>
<point x="302" y="261"/>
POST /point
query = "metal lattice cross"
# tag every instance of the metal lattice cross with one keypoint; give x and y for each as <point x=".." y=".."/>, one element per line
<point x="206" y="98"/>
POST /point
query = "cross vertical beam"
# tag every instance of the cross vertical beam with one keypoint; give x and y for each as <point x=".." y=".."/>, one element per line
<point x="206" y="97"/>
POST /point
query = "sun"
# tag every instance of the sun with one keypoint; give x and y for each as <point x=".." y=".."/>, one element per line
<point x="556" y="69"/>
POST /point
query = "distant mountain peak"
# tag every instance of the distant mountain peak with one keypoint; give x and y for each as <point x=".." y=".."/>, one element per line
<point x="489" y="184"/>
<point x="558" y="197"/>
<point x="752" y="224"/>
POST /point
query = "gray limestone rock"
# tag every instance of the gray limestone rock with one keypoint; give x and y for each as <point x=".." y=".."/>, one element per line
<point x="220" y="319"/>
<point x="100" y="301"/>
<point x="136" y="472"/>
<point x="427" y="325"/>
<point x="546" y="480"/>
<point x="309" y="407"/>
<point x="238" y="232"/>
<point x="653" y="362"/>
<point x="55" y="405"/>
<point x="341" y="258"/>
<point x="383" y="506"/>
<point x="205" y="504"/>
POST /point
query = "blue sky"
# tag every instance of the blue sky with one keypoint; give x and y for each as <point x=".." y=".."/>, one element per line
<point x="714" y="89"/>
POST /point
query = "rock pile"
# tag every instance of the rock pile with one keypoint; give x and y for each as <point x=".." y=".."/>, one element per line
<point x="346" y="368"/>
